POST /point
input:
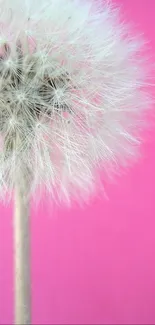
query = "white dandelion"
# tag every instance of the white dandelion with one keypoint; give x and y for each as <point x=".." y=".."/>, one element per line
<point x="73" y="94"/>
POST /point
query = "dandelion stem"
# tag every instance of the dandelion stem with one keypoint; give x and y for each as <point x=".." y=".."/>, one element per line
<point x="22" y="256"/>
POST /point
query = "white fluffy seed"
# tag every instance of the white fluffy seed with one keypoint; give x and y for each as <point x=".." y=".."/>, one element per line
<point x="73" y="89"/>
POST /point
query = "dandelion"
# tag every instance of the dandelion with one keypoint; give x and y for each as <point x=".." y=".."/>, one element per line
<point x="73" y="93"/>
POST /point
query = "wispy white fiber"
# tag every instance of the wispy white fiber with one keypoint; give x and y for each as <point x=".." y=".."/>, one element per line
<point x="73" y="93"/>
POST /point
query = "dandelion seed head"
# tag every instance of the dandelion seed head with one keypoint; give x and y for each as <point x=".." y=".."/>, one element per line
<point x="73" y="93"/>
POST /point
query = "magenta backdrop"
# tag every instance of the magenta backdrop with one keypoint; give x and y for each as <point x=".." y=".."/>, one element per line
<point x="95" y="265"/>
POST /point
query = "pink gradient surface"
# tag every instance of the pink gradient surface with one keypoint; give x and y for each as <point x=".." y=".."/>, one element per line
<point x="95" y="265"/>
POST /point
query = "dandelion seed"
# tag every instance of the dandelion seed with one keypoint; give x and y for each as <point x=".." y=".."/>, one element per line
<point x="72" y="91"/>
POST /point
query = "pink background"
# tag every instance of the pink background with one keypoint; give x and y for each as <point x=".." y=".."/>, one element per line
<point x="95" y="265"/>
